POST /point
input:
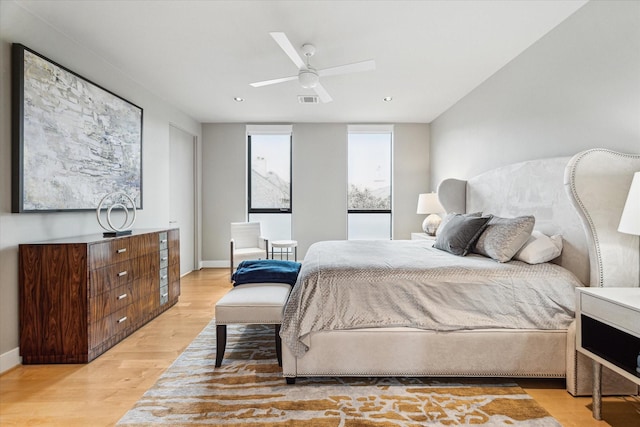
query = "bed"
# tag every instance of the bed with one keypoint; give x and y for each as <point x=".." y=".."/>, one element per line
<point x="327" y="331"/>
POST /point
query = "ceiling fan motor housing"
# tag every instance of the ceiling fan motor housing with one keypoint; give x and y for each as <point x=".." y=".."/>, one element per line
<point x="308" y="78"/>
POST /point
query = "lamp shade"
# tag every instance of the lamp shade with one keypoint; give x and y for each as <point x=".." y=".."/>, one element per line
<point x="428" y="203"/>
<point x="630" y="220"/>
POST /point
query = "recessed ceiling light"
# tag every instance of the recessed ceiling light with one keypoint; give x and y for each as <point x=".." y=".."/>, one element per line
<point x="238" y="99"/>
<point x="387" y="99"/>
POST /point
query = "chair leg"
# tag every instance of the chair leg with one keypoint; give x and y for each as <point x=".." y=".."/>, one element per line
<point x="221" y="343"/>
<point x="278" y="346"/>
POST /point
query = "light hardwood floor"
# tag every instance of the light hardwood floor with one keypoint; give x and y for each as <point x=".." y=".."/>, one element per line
<point x="99" y="393"/>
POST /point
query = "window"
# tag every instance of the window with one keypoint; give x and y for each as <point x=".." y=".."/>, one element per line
<point x="369" y="182"/>
<point x="269" y="179"/>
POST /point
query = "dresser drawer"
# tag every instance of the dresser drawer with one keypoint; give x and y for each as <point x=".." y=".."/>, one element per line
<point x="108" y="302"/>
<point x="113" y="276"/>
<point x="105" y="328"/>
<point x="164" y="258"/>
<point x="164" y="277"/>
<point x="121" y="249"/>
<point x="163" y="239"/>
<point x="164" y="294"/>
<point x="608" y="312"/>
<point x="143" y="307"/>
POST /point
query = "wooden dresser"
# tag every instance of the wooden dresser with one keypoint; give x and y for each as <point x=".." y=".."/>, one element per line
<point x="80" y="296"/>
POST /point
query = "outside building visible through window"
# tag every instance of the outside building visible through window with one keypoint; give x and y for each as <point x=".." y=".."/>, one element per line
<point x="269" y="192"/>
<point x="270" y="172"/>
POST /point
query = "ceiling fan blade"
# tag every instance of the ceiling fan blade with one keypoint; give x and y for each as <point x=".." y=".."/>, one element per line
<point x="273" y="81"/>
<point x="349" y="68"/>
<point x="322" y="93"/>
<point x="292" y="53"/>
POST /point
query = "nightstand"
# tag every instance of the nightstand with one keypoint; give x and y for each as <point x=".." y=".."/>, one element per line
<point x="422" y="236"/>
<point x="608" y="332"/>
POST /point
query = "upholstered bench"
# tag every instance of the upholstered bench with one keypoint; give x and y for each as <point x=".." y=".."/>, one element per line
<point x="253" y="303"/>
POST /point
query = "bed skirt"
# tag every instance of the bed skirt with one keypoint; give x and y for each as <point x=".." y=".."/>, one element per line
<point x="468" y="353"/>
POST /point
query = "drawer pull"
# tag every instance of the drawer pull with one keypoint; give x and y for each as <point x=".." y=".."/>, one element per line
<point x="164" y="277"/>
<point x="163" y="241"/>
<point x="123" y="296"/>
<point x="164" y="258"/>
<point x="122" y="319"/>
<point x="122" y="273"/>
<point x="166" y="294"/>
<point x="121" y="251"/>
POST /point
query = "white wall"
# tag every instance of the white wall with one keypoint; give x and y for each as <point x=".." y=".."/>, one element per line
<point x="224" y="183"/>
<point x="16" y="25"/>
<point x="411" y="177"/>
<point x="319" y="183"/>
<point x="576" y="88"/>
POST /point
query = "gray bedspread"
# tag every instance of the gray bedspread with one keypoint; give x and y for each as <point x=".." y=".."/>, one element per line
<point x="364" y="284"/>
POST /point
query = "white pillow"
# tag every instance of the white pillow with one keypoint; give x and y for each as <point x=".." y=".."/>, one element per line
<point x="540" y="248"/>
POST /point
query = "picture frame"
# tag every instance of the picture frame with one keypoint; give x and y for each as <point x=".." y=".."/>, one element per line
<point x="73" y="141"/>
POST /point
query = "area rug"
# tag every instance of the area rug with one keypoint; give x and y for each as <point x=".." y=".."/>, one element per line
<point x="249" y="390"/>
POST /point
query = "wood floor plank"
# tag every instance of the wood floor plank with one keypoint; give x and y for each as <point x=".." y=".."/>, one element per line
<point x="101" y="392"/>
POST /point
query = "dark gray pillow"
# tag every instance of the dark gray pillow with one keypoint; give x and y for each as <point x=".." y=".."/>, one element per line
<point x="450" y="215"/>
<point x="503" y="237"/>
<point x="460" y="233"/>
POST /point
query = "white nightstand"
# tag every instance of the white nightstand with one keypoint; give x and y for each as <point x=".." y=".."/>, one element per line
<point x="422" y="236"/>
<point x="608" y="332"/>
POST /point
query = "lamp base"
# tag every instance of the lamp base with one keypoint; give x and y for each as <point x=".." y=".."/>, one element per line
<point x="431" y="224"/>
<point x="116" y="233"/>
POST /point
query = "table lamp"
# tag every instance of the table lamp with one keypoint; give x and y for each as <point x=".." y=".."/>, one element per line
<point x="630" y="220"/>
<point x="428" y="203"/>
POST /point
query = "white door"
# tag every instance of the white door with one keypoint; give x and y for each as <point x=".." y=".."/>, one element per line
<point x="182" y="190"/>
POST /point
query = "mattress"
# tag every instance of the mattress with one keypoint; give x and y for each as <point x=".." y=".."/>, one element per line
<point x="405" y="283"/>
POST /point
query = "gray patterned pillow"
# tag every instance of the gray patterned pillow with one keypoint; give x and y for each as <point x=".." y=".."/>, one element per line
<point x="503" y="237"/>
<point x="460" y="233"/>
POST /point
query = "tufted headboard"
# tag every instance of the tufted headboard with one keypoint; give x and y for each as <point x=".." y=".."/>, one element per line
<point x="598" y="182"/>
<point x="534" y="187"/>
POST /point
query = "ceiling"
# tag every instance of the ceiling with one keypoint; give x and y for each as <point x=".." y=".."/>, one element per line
<point x="199" y="55"/>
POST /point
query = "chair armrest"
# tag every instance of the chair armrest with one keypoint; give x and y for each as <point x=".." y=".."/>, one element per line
<point x="263" y="243"/>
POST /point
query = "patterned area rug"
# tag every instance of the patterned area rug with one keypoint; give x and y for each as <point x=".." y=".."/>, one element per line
<point x="249" y="390"/>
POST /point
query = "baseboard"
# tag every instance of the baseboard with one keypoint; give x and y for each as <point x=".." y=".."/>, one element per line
<point x="10" y="360"/>
<point x="215" y="264"/>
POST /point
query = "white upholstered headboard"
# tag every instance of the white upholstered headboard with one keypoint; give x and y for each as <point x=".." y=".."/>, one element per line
<point x="598" y="182"/>
<point x="579" y="197"/>
<point x="534" y="187"/>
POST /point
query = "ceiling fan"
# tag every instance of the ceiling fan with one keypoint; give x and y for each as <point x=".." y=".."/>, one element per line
<point x="309" y="77"/>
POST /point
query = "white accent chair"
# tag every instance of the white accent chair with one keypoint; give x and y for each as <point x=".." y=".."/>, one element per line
<point x="246" y="242"/>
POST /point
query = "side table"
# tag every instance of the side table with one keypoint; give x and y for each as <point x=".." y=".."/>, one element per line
<point x="285" y="244"/>
<point x="608" y="332"/>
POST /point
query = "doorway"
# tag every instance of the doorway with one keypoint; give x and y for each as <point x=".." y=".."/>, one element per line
<point x="182" y="194"/>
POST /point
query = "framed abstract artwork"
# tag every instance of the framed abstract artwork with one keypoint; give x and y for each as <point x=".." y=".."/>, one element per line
<point x="73" y="141"/>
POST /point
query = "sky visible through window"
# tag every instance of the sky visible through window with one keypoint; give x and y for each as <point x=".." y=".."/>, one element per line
<point x="369" y="171"/>
<point x="369" y="186"/>
<point x="270" y="171"/>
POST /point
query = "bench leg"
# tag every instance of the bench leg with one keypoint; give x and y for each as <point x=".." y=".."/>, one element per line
<point x="278" y="346"/>
<point x="291" y="380"/>
<point x="221" y="343"/>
